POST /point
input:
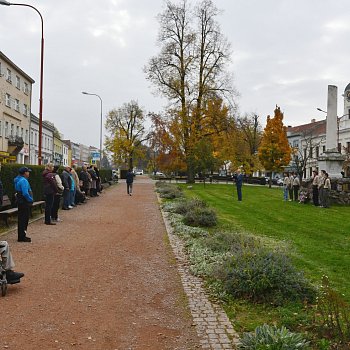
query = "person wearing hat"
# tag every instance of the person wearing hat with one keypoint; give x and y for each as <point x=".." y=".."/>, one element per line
<point x="24" y="201"/>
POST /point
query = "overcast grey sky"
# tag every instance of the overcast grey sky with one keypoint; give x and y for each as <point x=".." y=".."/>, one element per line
<point x="284" y="52"/>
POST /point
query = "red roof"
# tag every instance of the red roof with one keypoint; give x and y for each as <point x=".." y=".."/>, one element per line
<point x="314" y="128"/>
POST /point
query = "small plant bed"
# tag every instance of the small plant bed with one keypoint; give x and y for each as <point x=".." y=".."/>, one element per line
<point x="168" y="190"/>
<point x="257" y="277"/>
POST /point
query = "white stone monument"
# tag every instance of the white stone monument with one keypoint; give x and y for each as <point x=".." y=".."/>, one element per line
<point x="331" y="160"/>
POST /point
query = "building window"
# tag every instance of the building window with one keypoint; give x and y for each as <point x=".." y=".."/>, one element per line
<point x="25" y="110"/>
<point x="22" y="133"/>
<point x="26" y="88"/>
<point x="323" y="149"/>
<point x="17" y="131"/>
<point x="339" y="147"/>
<point x="8" y="76"/>
<point x="17" y="105"/>
<point x="295" y="144"/>
<point x="6" y="131"/>
<point x="305" y="154"/>
<point x="26" y="137"/>
<point x="18" y="82"/>
<point x="8" y="100"/>
<point x="310" y="153"/>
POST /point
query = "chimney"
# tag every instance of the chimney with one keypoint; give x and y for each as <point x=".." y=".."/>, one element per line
<point x="313" y="120"/>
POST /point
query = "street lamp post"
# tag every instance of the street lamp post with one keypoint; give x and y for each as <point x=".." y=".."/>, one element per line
<point x="338" y="121"/>
<point x="87" y="93"/>
<point x="6" y="3"/>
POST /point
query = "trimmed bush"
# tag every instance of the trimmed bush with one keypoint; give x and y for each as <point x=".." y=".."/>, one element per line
<point x="184" y="206"/>
<point x="262" y="275"/>
<point x="202" y="217"/>
<point x="273" y="338"/>
<point x="10" y="171"/>
<point x="168" y="191"/>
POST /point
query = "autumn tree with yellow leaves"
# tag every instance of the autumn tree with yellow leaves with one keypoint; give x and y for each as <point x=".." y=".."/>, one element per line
<point x="191" y="70"/>
<point x="275" y="151"/>
<point x="127" y="133"/>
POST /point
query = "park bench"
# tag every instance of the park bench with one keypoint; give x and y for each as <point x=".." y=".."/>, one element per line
<point x="5" y="214"/>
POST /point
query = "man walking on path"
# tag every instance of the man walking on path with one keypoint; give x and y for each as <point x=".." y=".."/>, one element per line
<point x="106" y="281"/>
<point x="129" y="182"/>
<point x="24" y="199"/>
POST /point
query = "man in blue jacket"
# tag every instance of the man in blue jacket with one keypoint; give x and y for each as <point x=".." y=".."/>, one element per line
<point x="24" y="201"/>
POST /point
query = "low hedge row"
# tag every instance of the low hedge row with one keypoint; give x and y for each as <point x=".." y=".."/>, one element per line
<point x="10" y="171"/>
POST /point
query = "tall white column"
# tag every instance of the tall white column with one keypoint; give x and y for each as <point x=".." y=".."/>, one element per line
<point x="332" y="123"/>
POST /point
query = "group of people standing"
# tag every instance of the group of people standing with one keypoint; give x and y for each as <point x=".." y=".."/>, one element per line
<point x="69" y="188"/>
<point x="73" y="189"/>
<point x="321" y="186"/>
<point x="291" y="186"/>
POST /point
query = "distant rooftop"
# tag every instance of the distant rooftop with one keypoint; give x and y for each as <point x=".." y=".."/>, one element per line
<point x="315" y="128"/>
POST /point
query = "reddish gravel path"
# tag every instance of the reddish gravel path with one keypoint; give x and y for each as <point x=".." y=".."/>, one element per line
<point x="103" y="279"/>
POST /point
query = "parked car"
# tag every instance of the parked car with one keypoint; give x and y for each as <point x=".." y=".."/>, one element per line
<point x="160" y="174"/>
<point x="138" y="172"/>
<point x="280" y="182"/>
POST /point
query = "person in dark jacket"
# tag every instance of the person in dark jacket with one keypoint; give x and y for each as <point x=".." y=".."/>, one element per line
<point x="129" y="182"/>
<point x="98" y="181"/>
<point x="24" y="196"/>
<point x="67" y="184"/>
<point x="93" y="188"/>
<point x="50" y="189"/>
<point x="85" y="179"/>
<point x="239" y="182"/>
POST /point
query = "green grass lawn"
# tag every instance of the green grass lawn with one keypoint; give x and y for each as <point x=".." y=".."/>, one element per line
<point x="318" y="239"/>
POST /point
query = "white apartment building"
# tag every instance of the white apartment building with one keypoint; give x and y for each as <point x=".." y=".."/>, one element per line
<point x="84" y="154"/>
<point x="309" y="140"/>
<point x="15" y="107"/>
<point x="46" y="143"/>
<point x="76" y="159"/>
<point x="65" y="149"/>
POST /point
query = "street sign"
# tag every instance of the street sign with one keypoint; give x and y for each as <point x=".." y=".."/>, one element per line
<point x="95" y="155"/>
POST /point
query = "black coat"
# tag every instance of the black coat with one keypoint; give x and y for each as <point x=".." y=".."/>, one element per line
<point x="66" y="180"/>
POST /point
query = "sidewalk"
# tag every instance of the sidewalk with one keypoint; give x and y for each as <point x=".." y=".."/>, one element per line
<point x="103" y="279"/>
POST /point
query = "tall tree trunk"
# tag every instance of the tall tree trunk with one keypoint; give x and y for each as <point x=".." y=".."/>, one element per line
<point x="191" y="169"/>
<point x="131" y="163"/>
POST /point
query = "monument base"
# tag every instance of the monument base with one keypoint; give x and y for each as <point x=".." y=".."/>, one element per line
<point x="332" y="162"/>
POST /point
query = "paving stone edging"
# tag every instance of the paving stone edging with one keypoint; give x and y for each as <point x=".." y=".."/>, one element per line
<point x="213" y="327"/>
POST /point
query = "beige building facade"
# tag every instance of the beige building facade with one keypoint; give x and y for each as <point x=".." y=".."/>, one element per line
<point x="15" y="108"/>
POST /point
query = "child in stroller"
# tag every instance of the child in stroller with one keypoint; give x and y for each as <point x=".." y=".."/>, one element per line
<point x="7" y="275"/>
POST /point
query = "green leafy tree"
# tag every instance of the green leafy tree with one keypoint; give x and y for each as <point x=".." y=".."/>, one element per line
<point x="127" y="132"/>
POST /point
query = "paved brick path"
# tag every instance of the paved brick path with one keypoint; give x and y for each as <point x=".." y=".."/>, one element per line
<point x="212" y="324"/>
<point x="105" y="279"/>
